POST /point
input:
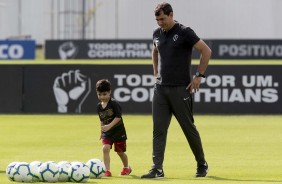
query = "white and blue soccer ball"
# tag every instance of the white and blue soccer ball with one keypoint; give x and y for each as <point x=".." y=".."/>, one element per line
<point x="64" y="168"/>
<point x="21" y="172"/>
<point x="97" y="168"/>
<point x="34" y="169"/>
<point x="10" y="171"/>
<point x="79" y="172"/>
<point x="49" y="172"/>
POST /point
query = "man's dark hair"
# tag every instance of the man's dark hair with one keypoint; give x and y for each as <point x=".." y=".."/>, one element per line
<point x="163" y="7"/>
<point x="103" y="85"/>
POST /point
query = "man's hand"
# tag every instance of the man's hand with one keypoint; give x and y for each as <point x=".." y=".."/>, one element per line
<point x="194" y="85"/>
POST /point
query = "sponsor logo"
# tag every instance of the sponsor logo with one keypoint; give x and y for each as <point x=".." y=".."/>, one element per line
<point x="175" y="37"/>
<point x="157" y="41"/>
<point x="250" y="50"/>
<point x="14" y="51"/>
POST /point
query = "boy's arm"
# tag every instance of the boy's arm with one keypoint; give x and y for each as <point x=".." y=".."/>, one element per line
<point x="106" y="128"/>
<point x="101" y="123"/>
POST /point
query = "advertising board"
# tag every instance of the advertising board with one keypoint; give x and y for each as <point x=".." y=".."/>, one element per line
<point x="228" y="89"/>
<point x="141" y="49"/>
<point x="98" y="49"/>
<point x="11" y="93"/>
<point x="17" y="49"/>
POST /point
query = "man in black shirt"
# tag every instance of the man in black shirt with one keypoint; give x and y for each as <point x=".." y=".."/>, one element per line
<point x="171" y="55"/>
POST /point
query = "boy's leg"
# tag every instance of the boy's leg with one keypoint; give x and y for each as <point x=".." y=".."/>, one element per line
<point x="123" y="158"/>
<point x="107" y="145"/>
<point x="120" y="148"/>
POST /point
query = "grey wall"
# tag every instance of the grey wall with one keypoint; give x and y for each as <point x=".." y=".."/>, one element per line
<point x="122" y="19"/>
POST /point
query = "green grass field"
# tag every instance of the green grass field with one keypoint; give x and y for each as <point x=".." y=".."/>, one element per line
<point x="239" y="149"/>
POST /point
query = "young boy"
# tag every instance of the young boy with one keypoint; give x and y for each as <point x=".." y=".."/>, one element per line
<point x="112" y="127"/>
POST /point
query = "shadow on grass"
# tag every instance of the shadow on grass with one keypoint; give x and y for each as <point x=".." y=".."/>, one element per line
<point x="207" y="177"/>
<point x="131" y="176"/>
<point x="116" y="177"/>
<point x="169" y="179"/>
<point x="255" y="180"/>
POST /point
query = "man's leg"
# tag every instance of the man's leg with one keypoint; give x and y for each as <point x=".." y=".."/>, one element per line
<point x="161" y="119"/>
<point x="182" y="104"/>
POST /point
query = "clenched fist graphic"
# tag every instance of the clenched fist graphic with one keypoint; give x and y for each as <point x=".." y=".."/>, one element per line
<point x="68" y="50"/>
<point x="71" y="89"/>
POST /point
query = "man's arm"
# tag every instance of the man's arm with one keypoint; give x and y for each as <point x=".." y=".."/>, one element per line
<point x="205" y="54"/>
<point x="155" y="60"/>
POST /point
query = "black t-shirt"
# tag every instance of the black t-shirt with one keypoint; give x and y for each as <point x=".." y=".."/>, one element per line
<point x="107" y="115"/>
<point x="175" y="50"/>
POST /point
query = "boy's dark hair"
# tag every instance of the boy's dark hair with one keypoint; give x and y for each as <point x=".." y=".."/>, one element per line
<point x="163" y="7"/>
<point x="103" y="85"/>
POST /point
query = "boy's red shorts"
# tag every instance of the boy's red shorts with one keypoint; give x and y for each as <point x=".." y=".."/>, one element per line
<point x="120" y="146"/>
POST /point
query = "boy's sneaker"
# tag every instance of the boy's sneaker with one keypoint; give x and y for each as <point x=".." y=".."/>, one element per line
<point x="108" y="174"/>
<point x="154" y="174"/>
<point x="202" y="170"/>
<point x="126" y="171"/>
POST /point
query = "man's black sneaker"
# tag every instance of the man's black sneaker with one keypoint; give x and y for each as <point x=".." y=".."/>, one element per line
<point x="202" y="170"/>
<point x="154" y="174"/>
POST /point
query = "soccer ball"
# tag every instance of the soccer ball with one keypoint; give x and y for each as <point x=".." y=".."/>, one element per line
<point x="9" y="171"/>
<point x="62" y="162"/>
<point x="97" y="168"/>
<point x="49" y="172"/>
<point x="79" y="172"/>
<point x="64" y="168"/>
<point x="21" y="172"/>
<point x="34" y="169"/>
